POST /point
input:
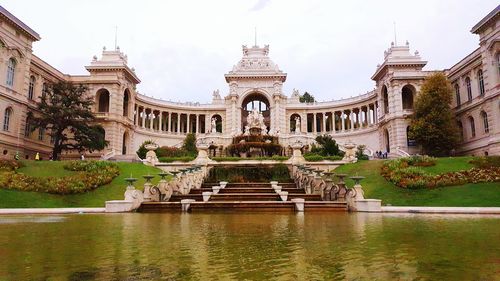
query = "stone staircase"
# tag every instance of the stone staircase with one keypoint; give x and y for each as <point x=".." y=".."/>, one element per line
<point x="245" y="196"/>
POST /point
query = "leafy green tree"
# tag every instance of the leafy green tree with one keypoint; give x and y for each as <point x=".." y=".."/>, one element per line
<point x="65" y="110"/>
<point x="433" y="124"/>
<point x="141" y="152"/>
<point x="306" y="97"/>
<point x="327" y="146"/>
<point x="189" y="144"/>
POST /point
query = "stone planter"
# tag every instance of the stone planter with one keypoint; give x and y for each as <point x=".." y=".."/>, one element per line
<point x="223" y="184"/>
<point x="215" y="189"/>
<point x="299" y="204"/>
<point x="277" y="188"/>
<point x="273" y="183"/>
<point x="283" y="195"/>
<point x="206" y="195"/>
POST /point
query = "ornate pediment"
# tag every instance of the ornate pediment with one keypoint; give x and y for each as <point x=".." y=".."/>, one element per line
<point x="255" y="60"/>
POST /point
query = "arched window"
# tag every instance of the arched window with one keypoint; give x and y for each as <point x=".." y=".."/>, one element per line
<point x="461" y="128"/>
<point x="498" y="63"/>
<point x="11" y="68"/>
<point x="387" y="141"/>
<point x="472" y="127"/>
<point x="469" y="89"/>
<point x="385" y="98"/>
<point x="31" y="88"/>
<point x="481" y="82"/>
<point x="124" y="143"/>
<point x="126" y="97"/>
<point x="6" y="118"/>
<point x="102" y="100"/>
<point x="486" y="126"/>
<point x="41" y="133"/>
<point x="457" y="94"/>
<point x="407" y="96"/>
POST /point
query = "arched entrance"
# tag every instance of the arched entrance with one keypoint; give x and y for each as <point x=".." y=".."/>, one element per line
<point x="124" y="143"/>
<point x="387" y="142"/>
<point x="255" y="101"/>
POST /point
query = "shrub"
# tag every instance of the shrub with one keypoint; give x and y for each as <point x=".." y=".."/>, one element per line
<point x="176" y="159"/>
<point x="10" y="165"/>
<point x="360" y="152"/>
<point x="486" y="162"/>
<point x="274" y="157"/>
<point x="141" y="152"/>
<point x="406" y="173"/>
<point x="259" y="173"/>
<point x="189" y="144"/>
<point x="311" y="157"/>
<point x="91" y="175"/>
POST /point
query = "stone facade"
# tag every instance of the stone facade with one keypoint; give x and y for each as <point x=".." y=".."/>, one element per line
<point x="378" y="119"/>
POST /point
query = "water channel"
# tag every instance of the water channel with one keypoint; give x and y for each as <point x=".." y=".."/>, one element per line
<point x="251" y="246"/>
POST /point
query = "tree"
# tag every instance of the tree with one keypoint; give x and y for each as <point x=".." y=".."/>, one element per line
<point x="327" y="146"/>
<point x="65" y="110"/>
<point x="433" y="125"/>
<point x="306" y="97"/>
<point x="189" y="144"/>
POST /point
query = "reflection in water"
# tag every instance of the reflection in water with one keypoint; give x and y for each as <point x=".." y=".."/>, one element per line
<point x="255" y="246"/>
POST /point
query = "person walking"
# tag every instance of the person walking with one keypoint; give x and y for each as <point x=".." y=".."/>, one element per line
<point x="37" y="156"/>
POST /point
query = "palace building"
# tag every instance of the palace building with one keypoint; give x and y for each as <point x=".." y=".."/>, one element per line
<point x="378" y="119"/>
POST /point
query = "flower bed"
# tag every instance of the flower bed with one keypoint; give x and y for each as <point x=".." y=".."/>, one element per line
<point x="406" y="173"/>
<point x="318" y="158"/>
<point x="90" y="175"/>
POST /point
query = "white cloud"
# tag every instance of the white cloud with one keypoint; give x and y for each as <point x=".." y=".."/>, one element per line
<point x="181" y="49"/>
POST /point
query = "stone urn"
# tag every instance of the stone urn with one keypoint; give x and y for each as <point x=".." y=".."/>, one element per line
<point x="151" y="158"/>
<point x="350" y="152"/>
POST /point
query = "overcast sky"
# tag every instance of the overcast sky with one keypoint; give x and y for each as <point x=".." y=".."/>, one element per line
<point x="182" y="49"/>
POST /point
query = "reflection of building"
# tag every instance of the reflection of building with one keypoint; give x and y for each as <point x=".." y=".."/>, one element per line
<point x="378" y="119"/>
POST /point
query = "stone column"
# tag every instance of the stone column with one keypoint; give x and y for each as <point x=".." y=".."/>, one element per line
<point x="342" y="121"/>
<point x="188" y="130"/>
<point x="178" y="123"/>
<point x="314" y="123"/>
<point x="369" y="115"/>
<point x="197" y="123"/>
<point x="143" y="118"/>
<point x="169" y="123"/>
<point x="151" y="120"/>
<point x="324" y="122"/>
<point x="160" y="122"/>
<point x="351" y="117"/>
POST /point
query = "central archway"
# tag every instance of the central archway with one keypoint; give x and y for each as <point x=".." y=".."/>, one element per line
<point x="255" y="101"/>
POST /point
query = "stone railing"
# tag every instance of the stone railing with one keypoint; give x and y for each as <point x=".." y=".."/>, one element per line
<point x="315" y="181"/>
<point x="182" y="182"/>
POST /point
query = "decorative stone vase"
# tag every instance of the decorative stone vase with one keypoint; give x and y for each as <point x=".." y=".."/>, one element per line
<point x="151" y="158"/>
<point x="206" y="195"/>
<point x="350" y="153"/>
<point x="283" y="195"/>
<point x="223" y="184"/>
<point x="215" y="189"/>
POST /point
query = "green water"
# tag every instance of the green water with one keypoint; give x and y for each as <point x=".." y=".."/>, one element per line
<point x="259" y="246"/>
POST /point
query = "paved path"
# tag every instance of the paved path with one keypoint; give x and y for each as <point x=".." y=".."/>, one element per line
<point x="14" y="211"/>
<point x="442" y="210"/>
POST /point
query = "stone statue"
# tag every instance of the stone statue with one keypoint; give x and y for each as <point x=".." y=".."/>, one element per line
<point x="216" y="95"/>
<point x="297" y="125"/>
<point x="213" y="126"/>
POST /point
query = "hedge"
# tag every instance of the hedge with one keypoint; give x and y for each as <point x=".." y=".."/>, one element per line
<point x="91" y="175"/>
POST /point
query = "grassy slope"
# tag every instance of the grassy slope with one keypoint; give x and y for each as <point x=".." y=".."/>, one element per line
<point x="95" y="198"/>
<point x="375" y="186"/>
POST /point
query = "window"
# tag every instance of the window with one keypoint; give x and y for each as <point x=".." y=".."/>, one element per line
<point x="27" y="128"/>
<point x="461" y="129"/>
<point x="457" y="94"/>
<point x="6" y="118"/>
<point x="41" y="132"/>
<point x="498" y="63"/>
<point x="469" y="89"/>
<point x="31" y="88"/>
<point x="486" y="127"/>
<point x="481" y="82"/>
<point x="11" y="67"/>
<point x="472" y="127"/>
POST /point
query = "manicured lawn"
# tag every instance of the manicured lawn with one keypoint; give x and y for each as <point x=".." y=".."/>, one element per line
<point x="95" y="198"/>
<point x="450" y="164"/>
<point x="469" y="195"/>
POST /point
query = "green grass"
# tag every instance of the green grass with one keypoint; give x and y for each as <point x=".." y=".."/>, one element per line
<point x="45" y="169"/>
<point x="95" y="198"/>
<point x="468" y="195"/>
<point x="450" y="164"/>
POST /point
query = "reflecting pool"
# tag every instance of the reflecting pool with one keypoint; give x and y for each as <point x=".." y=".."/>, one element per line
<point x="255" y="246"/>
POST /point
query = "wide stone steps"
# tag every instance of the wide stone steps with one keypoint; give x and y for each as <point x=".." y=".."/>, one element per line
<point x="274" y="206"/>
<point x="268" y="196"/>
<point x="248" y="190"/>
<point x="245" y="196"/>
